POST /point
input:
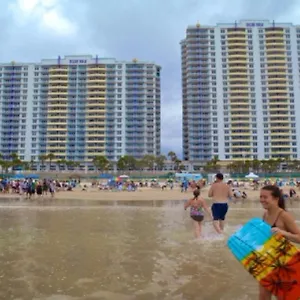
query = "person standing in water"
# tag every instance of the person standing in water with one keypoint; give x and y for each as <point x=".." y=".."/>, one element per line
<point x="282" y="222"/>
<point x="221" y="193"/>
<point x="197" y="205"/>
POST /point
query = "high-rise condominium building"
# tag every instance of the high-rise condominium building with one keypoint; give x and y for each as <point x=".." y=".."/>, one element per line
<point x="241" y="91"/>
<point x="78" y="107"/>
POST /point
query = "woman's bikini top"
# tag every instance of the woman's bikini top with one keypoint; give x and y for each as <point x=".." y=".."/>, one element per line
<point x="274" y="225"/>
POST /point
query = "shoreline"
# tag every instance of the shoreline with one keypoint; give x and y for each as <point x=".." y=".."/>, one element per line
<point x="142" y="194"/>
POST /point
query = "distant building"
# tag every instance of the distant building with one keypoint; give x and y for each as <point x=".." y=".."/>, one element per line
<point x="78" y="107"/>
<point x="240" y="91"/>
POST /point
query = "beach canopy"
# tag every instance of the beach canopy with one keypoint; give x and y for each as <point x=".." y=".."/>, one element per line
<point x="252" y="176"/>
<point x="123" y="176"/>
<point x="188" y="176"/>
<point x="106" y="176"/>
<point x="33" y="176"/>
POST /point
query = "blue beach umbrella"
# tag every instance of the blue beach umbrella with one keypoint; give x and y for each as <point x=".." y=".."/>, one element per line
<point x="18" y="176"/>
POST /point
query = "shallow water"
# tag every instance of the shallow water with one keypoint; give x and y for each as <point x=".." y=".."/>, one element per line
<point x="140" y="250"/>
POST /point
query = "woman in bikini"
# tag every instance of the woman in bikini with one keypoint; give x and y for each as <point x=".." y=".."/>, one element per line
<point x="281" y="221"/>
<point x="197" y="205"/>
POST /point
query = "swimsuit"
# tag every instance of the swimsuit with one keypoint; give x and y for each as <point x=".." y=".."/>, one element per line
<point x="197" y="213"/>
<point x="274" y="225"/>
<point x="219" y="211"/>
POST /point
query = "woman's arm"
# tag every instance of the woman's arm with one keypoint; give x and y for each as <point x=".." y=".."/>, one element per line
<point x="293" y="232"/>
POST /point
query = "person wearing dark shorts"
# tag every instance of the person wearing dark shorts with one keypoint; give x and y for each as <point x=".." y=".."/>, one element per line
<point x="221" y="193"/>
<point x="219" y="211"/>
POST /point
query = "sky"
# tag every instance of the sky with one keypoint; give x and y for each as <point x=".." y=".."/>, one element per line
<point x="148" y="30"/>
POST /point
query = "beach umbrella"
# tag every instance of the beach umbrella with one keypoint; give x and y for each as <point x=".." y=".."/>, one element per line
<point x="18" y="176"/>
<point x="251" y="176"/>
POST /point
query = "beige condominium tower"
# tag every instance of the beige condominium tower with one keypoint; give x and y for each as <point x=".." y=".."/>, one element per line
<point x="240" y="91"/>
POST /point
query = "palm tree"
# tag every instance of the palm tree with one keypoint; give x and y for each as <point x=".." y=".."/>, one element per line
<point x="42" y="159"/>
<point x="160" y="162"/>
<point x="101" y="163"/>
<point x="172" y="156"/>
<point x="50" y="156"/>
<point x="61" y="162"/>
<point x="212" y="165"/>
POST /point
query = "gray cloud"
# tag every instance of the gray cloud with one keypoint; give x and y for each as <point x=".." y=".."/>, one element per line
<point x="147" y="30"/>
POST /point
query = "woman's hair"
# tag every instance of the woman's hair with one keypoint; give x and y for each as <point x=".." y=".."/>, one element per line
<point x="276" y="193"/>
<point x="196" y="193"/>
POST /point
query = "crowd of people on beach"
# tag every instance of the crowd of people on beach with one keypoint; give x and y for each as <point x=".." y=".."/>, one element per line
<point x="30" y="187"/>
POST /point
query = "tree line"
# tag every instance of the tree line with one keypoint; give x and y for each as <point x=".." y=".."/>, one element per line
<point x="255" y="165"/>
<point x="100" y="162"/>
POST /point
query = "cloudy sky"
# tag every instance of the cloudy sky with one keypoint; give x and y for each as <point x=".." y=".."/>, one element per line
<point x="146" y="29"/>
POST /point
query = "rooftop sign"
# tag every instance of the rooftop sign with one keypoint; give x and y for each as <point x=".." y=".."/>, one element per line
<point x="255" y="24"/>
<point x="78" y="61"/>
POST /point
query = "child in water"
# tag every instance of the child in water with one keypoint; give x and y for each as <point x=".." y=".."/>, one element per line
<point x="281" y="221"/>
<point x="197" y="205"/>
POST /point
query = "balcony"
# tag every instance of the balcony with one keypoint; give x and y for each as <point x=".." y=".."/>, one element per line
<point x="279" y="121"/>
<point x="54" y="128"/>
<point x="238" y="62"/>
<point x="274" y="38"/>
<point x="270" y="46"/>
<point x="234" y="85"/>
<point x="99" y="67"/>
<point x="240" y="92"/>
<point x="278" y="96"/>
<point x="277" y="68"/>
<point x="58" y="77"/>
<point x="270" y="84"/>
<point x="57" y="106"/>
<point x="237" y="72"/>
<point x="277" y="55"/>
<point x="95" y="86"/>
<point x="271" y="77"/>
<point x="57" y="92"/>
<point x="240" y="108"/>
<point x="236" y="38"/>
<point x="283" y="127"/>
<point x="96" y="80"/>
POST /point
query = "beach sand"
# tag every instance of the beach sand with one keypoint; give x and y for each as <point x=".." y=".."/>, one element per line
<point x="142" y="194"/>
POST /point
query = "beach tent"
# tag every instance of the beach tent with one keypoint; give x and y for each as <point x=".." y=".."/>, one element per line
<point x="106" y="176"/>
<point x="188" y="176"/>
<point x="18" y="176"/>
<point x="252" y="176"/>
<point x="33" y="176"/>
<point x="123" y="176"/>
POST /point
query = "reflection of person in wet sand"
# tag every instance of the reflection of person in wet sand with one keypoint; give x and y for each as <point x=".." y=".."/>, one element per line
<point x="197" y="205"/>
<point x="220" y="192"/>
